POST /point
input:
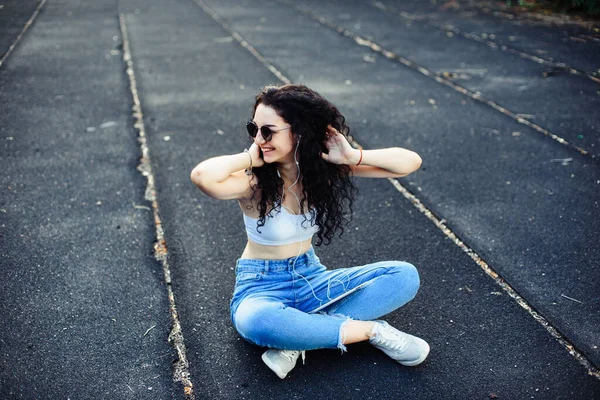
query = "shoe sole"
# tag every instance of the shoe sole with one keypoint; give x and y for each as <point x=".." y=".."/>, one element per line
<point x="274" y="367"/>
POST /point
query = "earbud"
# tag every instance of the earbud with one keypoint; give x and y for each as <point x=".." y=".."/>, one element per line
<point x="297" y="164"/>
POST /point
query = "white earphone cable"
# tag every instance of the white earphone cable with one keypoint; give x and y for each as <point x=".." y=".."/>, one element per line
<point x="299" y="210"/>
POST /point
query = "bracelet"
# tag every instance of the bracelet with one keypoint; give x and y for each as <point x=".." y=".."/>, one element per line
<point x="360" y="160"/>
<point x="249" y="169"/>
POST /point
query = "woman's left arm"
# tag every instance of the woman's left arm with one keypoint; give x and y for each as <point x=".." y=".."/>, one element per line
<point x="393" y="162"/>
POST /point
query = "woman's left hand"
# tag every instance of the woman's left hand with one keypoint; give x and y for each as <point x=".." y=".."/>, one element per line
<point x="340" y="151"/>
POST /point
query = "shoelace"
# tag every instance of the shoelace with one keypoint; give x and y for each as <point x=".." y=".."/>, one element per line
<point x="397" y="341"/>
<point x="292" y="355"/>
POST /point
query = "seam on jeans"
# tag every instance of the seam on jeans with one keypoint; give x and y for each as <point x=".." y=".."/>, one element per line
<point x="294" y="288"/>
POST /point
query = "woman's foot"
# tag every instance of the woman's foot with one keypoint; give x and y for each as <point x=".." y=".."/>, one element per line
<point x="406" y="349"/>
<point x="282" y="361"/>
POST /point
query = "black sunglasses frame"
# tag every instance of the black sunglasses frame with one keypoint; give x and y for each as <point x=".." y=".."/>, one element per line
<point x="267" y="132"/>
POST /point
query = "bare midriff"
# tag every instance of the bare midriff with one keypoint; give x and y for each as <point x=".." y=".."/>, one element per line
<point x="262" y="252"/>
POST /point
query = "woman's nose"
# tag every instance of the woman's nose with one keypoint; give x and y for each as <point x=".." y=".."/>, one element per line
<point x="259" y="139"/>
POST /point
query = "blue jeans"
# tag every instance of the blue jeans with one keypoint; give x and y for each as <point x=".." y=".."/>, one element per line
<point x="304" y="306"/>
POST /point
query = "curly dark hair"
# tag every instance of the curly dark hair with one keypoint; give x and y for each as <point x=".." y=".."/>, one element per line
<point x="326" y="187"/>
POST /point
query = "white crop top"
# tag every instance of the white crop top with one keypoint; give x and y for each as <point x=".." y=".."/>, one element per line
<point x="281" y="228"/>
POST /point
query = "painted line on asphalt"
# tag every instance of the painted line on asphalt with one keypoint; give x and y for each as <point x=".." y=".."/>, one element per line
<point x="452" y="30"/>
<point x="180" y="367"/>
<point x="242" y="42"/>
<point x="440" y="223"/>
<point x="27" y="25"/>
<point x="361" y="41"/>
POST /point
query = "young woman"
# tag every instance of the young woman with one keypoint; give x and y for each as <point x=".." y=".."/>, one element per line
<point x="295" y="182"/>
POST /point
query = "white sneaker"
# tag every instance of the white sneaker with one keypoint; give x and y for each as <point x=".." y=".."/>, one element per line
<point x="406" y="349"/>
<point x="282" y="361"/>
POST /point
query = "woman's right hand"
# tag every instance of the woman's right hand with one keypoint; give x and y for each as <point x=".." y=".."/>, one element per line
<point x="257" y="160"/>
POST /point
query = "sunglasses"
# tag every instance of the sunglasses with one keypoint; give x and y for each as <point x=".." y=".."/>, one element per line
<point x="267" y="132"/>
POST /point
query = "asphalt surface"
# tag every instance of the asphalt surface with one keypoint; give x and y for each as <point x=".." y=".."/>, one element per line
<point x="80" y="283"/>
<point x="85" y="305"/>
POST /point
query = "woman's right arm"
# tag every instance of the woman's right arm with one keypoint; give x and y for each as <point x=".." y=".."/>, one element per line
<point x="224" y="177"/>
